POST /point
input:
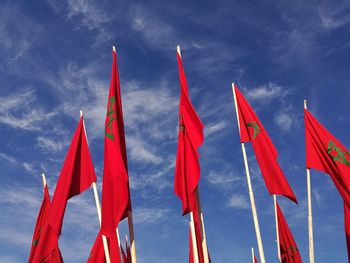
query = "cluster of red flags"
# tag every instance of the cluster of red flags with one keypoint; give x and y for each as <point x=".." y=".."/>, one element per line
<point x="77" y="175"/>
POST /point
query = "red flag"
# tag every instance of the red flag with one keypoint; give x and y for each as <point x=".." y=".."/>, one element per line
<point x="251" y="129"/>
<point x="115" y="188"/>
<point x="347" y="228"/>
<point x="289" y="250"/>
<point x="187" y="171"/>
<point x="255" y="260"/>
<point x="76" y="176"/>
<point x="97" y="253"/>
<point x="39" y="227"/>
<point x="124" y="256"/>
<point x="326" y="154"/>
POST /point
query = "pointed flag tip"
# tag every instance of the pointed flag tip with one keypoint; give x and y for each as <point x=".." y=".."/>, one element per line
<point x="113" y="48"/>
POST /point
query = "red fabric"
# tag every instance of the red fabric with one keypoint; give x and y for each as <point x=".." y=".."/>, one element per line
<point x="115" y="188"/>
<point x="187" y="171"/>
<point x="289" y="250"/>
<point x="255" y="260"/>
<point x="97" y="253"/>
<point x="326" y="154"/>
<point x="123" y="255"/>
<point x="347" y="228"/>
<point x="76" y="176"/>
<point x="252" y="130"/>
<point x="41" y="223"/>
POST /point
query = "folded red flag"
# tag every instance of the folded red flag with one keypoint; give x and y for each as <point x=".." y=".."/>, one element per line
<point x="76" y="176"/>
<point x="97" y="253"/>
<point x="289" y="250"/>
<point x="187" y="171"/>
<point x="115" y="188"/>
<point x="41" y="223"/>
<point x="252" y="130"/>
<point x="326" y="154"/>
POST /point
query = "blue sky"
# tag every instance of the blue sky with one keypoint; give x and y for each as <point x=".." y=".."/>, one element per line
<point x="56" y="59"/>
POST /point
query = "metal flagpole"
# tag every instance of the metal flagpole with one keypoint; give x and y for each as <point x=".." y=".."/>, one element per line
<point x="253" y="255"/>
<point x="309" y="214"/>
<point x="44" y="180"/>
<point x="192" y="227"/>
<point x="204" y="238"/>
<point x="277" y="234"/>
<point x="250" y="189"/>
<point x="98" y="207"/>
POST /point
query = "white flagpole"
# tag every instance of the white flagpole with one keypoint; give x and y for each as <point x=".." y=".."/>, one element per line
<point x="277" y="234"/>
<point x="204" y="238"/>
<point x="309" y="214"/>
<point x="44" y="180"/>
<point x="250" y="189"/>
<point x="193" y="239"/>
<point x="98" y="207"/>
<point x="192" y="227"/>
<point x="253" y="255"/>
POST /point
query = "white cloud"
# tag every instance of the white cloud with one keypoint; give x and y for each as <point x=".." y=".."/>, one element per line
<point x="238" y="201"/>
<point x="140" y="152"/>
<point x="48" y="144"/>
<point x="223" y="180"/>
<point x="215" y="127"/>
<point x="13" y="161"/>
<point x="334" y="15"/>
<point x="18" y="112"/>
<point x="149" y="215"/>
<point x="265" y="93"/>
<point x="284" y="121"/>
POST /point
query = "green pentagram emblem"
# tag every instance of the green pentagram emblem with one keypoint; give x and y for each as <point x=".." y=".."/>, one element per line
<point x="112" y="117"/>
<point x="181" y="123"/>
<point x="35" y="242"/>
<point x="340" y="157"/>
<point x="256" y="128"/>
<point x="292" y="250"/>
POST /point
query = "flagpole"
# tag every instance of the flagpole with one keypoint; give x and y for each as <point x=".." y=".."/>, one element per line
<point x="277" y="234"/>
<point x="250" y="189"/>
<point x="193" y="239"/>
<point x="98" y="207"/>
<point x="204" y="238"/>
<point x="253" y="255"/>
<point x="309" y="214"/>
<point x="192" y="227"/>
<point x="44" y="180"/>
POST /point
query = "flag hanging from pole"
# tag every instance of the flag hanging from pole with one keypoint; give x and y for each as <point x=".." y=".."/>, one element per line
<point x="255" y="259"/>
<point x="252" y="130"/>
<point x="115" y="188"/>
<point x="97" y="253"/>
<point x="41" y="223"/>
<point x="289" y="250"/>
<point x="76" y="176"/>
<point x="326" y="154"/>
<point x="190" y="137"/>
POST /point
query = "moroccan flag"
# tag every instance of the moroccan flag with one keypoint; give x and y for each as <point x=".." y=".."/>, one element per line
<point x="76" y="176"/>
<point x="347" y="228"/>
<point x="41" y="223"/>
<point x="190" y="137"/>
<point x="115" y="188"/>
<point x="326" y="154"/>
<point x="255" y="260"/>
<point x="289" y="250"/>
<point x="97" y="253"/>
<point x="252" y="130"/>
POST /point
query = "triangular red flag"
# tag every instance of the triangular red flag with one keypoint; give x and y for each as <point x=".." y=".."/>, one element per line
<point x="289" y="250"/>
<point x="41" y="223"/>
<point x="347" y="228"/>
<point x="97" y="253"/>
<point x="76" y="176"/>
<point x="252" y="130"/>
<point x="255" y="259"/>
<point x="187" y="171"/>
<point x="115" y="188"/>
<point x="326" y="154"/>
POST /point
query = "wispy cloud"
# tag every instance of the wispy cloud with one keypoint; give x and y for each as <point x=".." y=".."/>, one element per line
<point x="238" y="201"/>
<point x="140" y="152"/>
<point x="48" y="144"/>
<point x="265" y="93"/>
<point x="16" y="163"/>
<point x="221" y="180"/>
<point x="333" y="15"/>
<point x="150" y="215"/>
<point x="215" y="127"/>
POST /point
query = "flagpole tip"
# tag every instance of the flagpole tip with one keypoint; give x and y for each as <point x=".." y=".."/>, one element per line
<point x="178" y="50"/>
<point x="81" y="113"/>
<point x="113" y="48"/>
<point x="44" y="179"/>
<point x="305" y="104"/>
